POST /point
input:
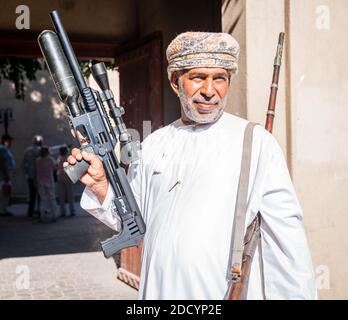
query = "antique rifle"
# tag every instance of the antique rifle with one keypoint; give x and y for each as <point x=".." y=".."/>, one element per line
<point x="239" y="277"/>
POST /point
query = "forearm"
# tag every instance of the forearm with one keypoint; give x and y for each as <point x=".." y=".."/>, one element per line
<point x="100" y="190"/>
<point x="104" y="211"/>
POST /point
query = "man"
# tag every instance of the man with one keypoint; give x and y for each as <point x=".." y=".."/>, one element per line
<point x="65" y="186"/>
<point x="7" y="165"/>
<point x="186" y="186"/>
<point x="45" y="168"/>
<point x="29" y="167"/>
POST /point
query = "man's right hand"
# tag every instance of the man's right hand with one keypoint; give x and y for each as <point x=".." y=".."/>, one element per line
<point x="95" y="177"/>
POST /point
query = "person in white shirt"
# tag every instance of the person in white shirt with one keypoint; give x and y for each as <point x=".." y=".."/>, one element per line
<point x="186" y="185"/>
<point x="45" y="168"/>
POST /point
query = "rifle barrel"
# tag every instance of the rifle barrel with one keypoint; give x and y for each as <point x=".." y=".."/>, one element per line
<point x="85" y="91"/>
<point x="274" y="85"/>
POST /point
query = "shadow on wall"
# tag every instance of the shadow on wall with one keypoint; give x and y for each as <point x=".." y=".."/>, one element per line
<point x="41" y="112"/>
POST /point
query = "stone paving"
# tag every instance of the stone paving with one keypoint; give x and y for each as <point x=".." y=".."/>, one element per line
<point x="60" y="260"/>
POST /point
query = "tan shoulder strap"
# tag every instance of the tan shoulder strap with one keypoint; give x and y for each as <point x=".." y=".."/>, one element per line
<point x="237" y="241"/>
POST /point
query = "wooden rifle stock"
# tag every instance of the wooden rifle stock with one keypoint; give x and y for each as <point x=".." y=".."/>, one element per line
<point x="238" y="288"/>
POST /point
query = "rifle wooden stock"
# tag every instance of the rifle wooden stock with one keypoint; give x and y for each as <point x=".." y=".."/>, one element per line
<point x="238" y="289"/>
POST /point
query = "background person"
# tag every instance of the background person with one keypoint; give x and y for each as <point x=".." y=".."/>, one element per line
<point x="7" y="165"/>
<point x="45" y="167"/>
<point x="29" y="167"/>
<point x="65" y="186"/>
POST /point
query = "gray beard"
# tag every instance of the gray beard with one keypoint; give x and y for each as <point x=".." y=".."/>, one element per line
<point x="191" y="113"/>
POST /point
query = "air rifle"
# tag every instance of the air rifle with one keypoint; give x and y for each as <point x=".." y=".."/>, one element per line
<point x="90" y="121"/>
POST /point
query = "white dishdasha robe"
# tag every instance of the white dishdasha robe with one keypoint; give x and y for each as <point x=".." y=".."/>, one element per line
<point x="186" y="186"/>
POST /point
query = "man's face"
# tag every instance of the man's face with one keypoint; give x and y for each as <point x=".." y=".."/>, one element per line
<point x="203" y="94"/>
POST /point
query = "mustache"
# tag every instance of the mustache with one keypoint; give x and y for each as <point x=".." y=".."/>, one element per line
<point x="197" y="98"/>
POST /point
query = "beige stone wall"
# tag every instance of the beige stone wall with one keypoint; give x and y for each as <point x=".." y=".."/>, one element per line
<point x="264" y="22"/>
<point x="319" y="91"/>
<point x="311" y="115"/>
<point x="233" y="22"/>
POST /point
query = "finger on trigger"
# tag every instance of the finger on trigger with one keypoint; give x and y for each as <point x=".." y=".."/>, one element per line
<point x="91" y="158"/>
<point x="87" y="156"/>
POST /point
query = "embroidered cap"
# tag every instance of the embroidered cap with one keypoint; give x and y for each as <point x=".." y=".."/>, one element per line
<point x="203" y="50"/>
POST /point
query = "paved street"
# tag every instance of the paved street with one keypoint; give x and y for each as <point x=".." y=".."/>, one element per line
<point x="60" y="260"/>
